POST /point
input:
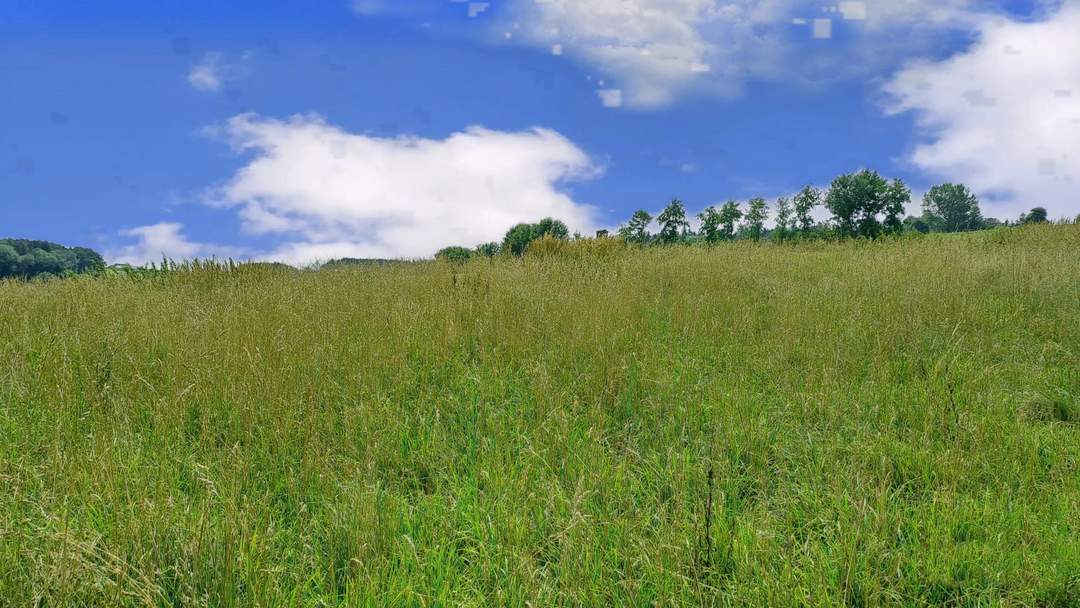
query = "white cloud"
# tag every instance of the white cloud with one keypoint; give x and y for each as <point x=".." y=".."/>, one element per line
<point x="331" y="193"/>
<point x="165" y="240"/>
<point x="1003" y="117"/>
<point x="206" y="76"/>
<point x="213" y="71"/>
<point x="652" y="46"/>
<point x="611" y="98"/>
<point x="659" y="50"/>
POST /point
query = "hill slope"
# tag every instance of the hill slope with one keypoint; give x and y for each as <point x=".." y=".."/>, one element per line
<point x="889" y="423"/>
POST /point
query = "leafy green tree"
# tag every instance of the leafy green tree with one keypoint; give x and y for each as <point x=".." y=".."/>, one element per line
<point x="46" y="261"/>
<point x="517" y="239"/>
<point x="916" y="224"/>
<point x="805" y="202"/>
<point x="710" y="224"/>
<point x="9" y="261"/>
<point x="454" y="254"/>
<point x="952" y="208"/>
<point x="672" y="222"/>
<point x="552" y="226"/>
<point x="757" y="213"/>
<point x="637" y="229"/>
<point x="1037" y="215"/>
<point x="87" y="260"/>
<point x="857" y="199"/>
<point x="730" y="214"/>
<point x="897" y="198"/>
<point x="785" y="219"/>
<point x="489" y="250"/>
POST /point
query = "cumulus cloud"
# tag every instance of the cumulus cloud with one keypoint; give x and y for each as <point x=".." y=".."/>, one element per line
<point x="658" y="50"/>
<point x="1004" y="116"/>
<point x="165" y="240"/>
<point x="326" y="192"/>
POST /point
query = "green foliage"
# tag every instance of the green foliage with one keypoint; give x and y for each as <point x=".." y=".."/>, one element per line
<point x="785" y="219"/>
<point x="730" y="214"/>
<point x="916" y="224"/>
<point x="9" y="260"/>
<point x="673" y="224"/>
<point x="1037" y="215"/>
<point x="350" y="262"/>
<point x="26" y="259"/>
<point x="757" y="212"/>
<point x="857" y="201"/>
<point x="488" y="250"/>
<point x="804" y="203"/>
<point x="549" y="226"/>
<point x="710" y="225"/>
<point x="637" y="229"/>
<point x="517" y="239"/>
<point x="454" y="254"/>
<point x="951" y="208"/>
<point x="887" y="424"/>
<point x="897" y="197"/>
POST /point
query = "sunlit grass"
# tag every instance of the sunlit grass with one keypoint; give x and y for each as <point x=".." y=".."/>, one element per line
<point x="892" y="423"/>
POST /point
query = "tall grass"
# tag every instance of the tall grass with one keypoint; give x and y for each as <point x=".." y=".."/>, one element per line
<point x="892" y="423"/>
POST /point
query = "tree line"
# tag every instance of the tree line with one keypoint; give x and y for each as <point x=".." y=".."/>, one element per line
<point x="861" y="205"/>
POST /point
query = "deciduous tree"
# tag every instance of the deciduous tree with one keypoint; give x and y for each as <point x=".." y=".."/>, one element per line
<point x="757" y="213"/>
<point x="710" y="224"/>
<point x="805" y="201"/>
<point x="951" y="208"/>
<point x="636" y="229"/>
<point x="785" y="219"/>
<point x="672" y="220"/>
<point x="730" y="214"/>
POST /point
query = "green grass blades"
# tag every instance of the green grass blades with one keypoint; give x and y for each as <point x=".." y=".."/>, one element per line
<point x="889" y="424"/>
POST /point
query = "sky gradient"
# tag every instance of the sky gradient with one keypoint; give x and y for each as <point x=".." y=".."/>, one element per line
<point x="301" y="130"/>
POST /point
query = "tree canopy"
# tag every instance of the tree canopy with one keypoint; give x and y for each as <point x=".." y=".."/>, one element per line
<point x="858" y="200"/>
<point x="517" y="239"/>
<point x="672" y="220"/>
<point x="757" y="213"/>
<point x="454" y="254"/>
<point x="26" y="259"/>
<point x="862" y="204"/>
<point x="951" y="208"/>
<point x="1037" y="215"/>
<point x="805" y="201"/>
<point x="636" y="229"/>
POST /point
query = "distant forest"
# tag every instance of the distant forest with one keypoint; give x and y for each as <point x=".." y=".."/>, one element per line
<point x="26" y="259"/>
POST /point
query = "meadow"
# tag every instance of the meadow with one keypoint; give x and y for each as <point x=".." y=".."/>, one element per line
<point x="890" y="423"/>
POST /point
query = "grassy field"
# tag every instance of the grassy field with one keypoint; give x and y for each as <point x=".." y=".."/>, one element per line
<point x="887" y="424"/>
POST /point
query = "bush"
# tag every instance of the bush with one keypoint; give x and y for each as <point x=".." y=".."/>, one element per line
<point x="454" y="254"/>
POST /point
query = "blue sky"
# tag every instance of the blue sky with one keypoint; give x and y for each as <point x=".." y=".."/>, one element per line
<point x="302" y="130"/>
